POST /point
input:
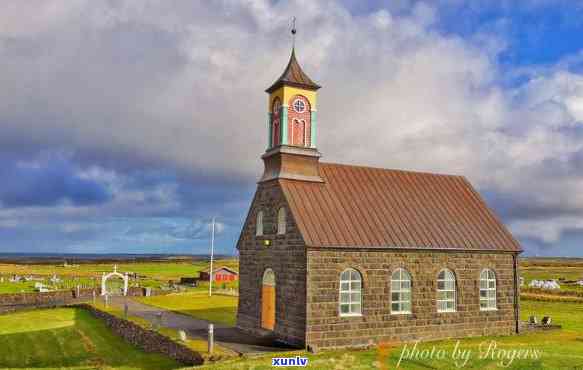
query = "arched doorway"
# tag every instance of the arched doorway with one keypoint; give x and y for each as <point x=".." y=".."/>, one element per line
<point x="268" y="300"/>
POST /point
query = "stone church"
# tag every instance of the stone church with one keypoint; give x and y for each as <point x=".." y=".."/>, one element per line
<point x="333" y="255"/>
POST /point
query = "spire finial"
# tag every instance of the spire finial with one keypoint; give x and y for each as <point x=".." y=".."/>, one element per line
<point x="293" y="32"/>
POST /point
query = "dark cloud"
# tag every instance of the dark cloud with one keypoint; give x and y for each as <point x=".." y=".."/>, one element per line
<point x="516" y="206"/>
<point x="48" y="183"/>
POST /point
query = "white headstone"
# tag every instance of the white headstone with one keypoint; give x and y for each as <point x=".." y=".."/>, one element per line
<point x="182" y="335"/>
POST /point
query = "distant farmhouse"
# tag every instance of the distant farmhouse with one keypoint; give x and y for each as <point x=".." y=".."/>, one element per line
<point x="220" y="274"/>
<point x="333" y="255"/>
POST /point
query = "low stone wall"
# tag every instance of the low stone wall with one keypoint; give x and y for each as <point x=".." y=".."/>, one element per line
<point x="148" y="340"/>
<point x="18" y="301"/>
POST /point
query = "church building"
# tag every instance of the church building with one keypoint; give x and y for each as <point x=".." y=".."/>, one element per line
<point x="334" y="255"/>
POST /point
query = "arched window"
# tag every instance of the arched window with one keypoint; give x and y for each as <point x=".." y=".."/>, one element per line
<point x="400" y="292"/>
<point x="487" y="290"/>
<point x="276" y="112"/>
<point x="269" y="277"/>
<point x="281" y="221"/>
<point x="350" y="293"/>
<point x="259" y="226"/>
<point x="446" y="291"/>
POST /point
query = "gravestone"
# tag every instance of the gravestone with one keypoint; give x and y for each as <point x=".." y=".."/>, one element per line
<point x="182" y="335"/>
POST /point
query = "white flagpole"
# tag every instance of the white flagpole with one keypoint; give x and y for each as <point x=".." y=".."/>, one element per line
<point x="212" y="256"/>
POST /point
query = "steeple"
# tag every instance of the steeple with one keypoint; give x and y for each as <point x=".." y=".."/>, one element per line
<point x="293" y="76"/>
<point x="291" y="150"/>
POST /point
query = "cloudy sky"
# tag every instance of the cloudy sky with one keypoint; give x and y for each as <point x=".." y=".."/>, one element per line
<point x="126" y="125"/>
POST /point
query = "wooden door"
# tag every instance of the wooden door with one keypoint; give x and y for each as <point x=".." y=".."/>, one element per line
<point x="268" y="300"/>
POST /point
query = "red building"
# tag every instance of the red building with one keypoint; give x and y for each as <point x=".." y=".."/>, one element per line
<point x="220" y="274"/>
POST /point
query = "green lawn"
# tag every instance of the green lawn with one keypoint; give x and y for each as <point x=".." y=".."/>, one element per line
<point x="71" y="339"/>
<point x="218" y="308"/>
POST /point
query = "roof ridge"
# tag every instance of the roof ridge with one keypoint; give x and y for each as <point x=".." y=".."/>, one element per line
<point x="392" y="169"/>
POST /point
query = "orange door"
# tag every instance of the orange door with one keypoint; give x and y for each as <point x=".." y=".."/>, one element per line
<point x="268" y="300"/>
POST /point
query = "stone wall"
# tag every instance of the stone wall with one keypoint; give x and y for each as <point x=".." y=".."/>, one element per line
<point x="148" y="340"/>
<point x="326" y="329"/>
<point x="16" y="301"/>
<point x="286" y="256"/>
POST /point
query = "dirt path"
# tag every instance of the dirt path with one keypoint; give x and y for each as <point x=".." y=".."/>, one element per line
<point x="226" y="336"/>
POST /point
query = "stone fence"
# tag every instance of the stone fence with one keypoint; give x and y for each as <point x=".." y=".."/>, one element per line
<point x="147" y="340"/>
<point x="17" y="301"/>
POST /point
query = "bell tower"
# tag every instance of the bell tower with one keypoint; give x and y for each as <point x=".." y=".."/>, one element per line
<point x="291" y="150"/>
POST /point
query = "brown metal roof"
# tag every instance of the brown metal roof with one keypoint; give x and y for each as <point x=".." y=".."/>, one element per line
<point x="219" y="269"/>
<point x="294" y="76"/>
<point x="380" y="208"/>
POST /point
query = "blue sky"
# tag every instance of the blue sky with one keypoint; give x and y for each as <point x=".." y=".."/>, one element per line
<point x="124" y="127"/>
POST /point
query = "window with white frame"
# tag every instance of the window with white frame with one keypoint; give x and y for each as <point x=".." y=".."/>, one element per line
<point x="299" y="105"/>
<point x="350" y="293"/>
<point x="487" y="290"/>
<point x="446" y="291"/>
<point x="259" y="226"/>
<point x="281" y="221"/>
<point x="400" y="292"/>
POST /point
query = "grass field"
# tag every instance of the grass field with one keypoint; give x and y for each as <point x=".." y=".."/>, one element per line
<point x="218" y="308"/>
<point x="68" y="338"/>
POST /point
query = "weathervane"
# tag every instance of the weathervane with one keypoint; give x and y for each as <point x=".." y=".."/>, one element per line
<point x="293" y="31"/>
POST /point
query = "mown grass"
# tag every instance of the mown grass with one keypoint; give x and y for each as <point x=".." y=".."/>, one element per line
<point x="68" y="338"/>
<point x="217" y="308"/>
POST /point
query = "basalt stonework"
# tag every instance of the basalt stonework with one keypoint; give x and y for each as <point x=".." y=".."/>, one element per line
<point x="325" y="328"/>
<point x="286" y="256"/>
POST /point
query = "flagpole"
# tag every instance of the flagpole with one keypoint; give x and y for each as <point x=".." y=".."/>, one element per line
<point x="212" y="256"/>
